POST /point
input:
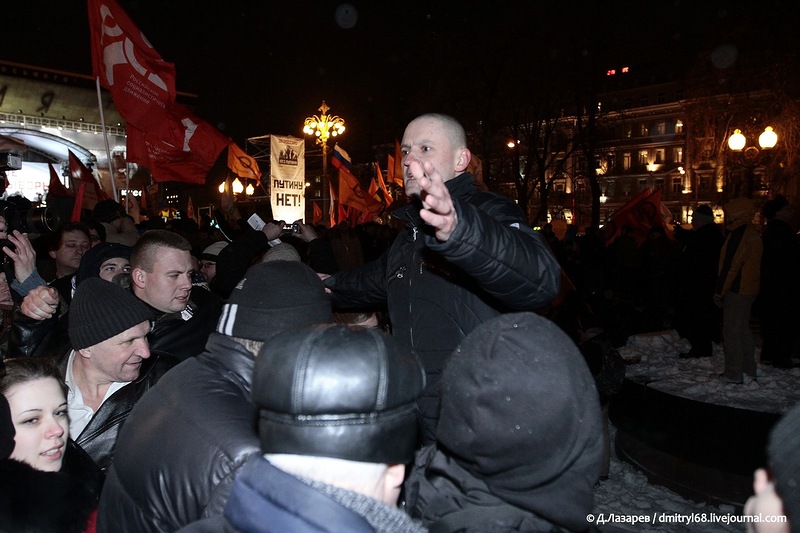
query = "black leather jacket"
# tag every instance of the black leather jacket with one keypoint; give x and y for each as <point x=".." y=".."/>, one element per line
<point x="183" y="444"/>
<point x="437" y="292"/>
<point x="99" y="437"/>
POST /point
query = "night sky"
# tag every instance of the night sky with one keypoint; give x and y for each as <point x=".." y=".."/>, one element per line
<point x="260" y="66"/>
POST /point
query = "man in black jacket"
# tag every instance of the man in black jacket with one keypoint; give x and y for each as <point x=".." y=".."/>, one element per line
<point x="467" y="256"/>
<point x="182" y="446"/>
<point x="161" y="268"/>
<point x="110" y="366"/>
<point x="161" y="276"/>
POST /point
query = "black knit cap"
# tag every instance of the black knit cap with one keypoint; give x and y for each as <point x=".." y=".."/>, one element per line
<point x="107" y="211"/>
<point x="273" y="297"/>
<point x="520" y="411"/>
<point x="784" y="457"/>
<point x="338" y="391"/>
<point x="101" y="309"/>
<point x="94" y="257"/>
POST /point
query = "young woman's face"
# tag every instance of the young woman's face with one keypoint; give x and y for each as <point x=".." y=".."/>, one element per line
<point x="39" y="413"/>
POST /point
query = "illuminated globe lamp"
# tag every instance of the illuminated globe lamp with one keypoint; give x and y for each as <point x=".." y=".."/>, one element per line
<point x="750" y="156"/>
<point x="737" y="141"/>
<point x="768" y="138"/>
<point x="323" y="127"/>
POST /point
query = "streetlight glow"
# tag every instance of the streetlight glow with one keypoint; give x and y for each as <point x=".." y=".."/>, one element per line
<point x="324" y="127"/>
<point x="768" y="138"/>
<point x="737" y="141"/>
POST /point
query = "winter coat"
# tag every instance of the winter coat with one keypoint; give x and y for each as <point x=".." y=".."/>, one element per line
<point x="42" y="502"/>
<point x="98" y="439"/>
<point x="181" y="337"/>
<point x="448" y="499"/>
<point x="183" y="443"/>
<point x="437" y="292"/>
<point x="266" y="499"/>
<point x="740" y="262"/>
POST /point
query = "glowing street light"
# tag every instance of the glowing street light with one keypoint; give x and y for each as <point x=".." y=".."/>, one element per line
<point x="323" y="127"/>
<point x="749" y="156"/>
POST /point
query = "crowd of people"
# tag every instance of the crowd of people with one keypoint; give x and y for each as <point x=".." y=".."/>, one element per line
<point x="182" y="378"/>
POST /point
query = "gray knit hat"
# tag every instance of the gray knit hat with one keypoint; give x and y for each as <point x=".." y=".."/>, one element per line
<point x="273" y="297"/>
<point x="281" y="252"/>
<point x="101" y="309"/>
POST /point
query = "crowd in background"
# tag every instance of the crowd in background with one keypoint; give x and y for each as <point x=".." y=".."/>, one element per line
<point x="173" y="376"/>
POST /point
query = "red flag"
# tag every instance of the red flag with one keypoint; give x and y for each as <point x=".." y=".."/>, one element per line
<point x="142" y="84"/>
<point x="183" y="147"/>
<point x="317" y="214"/>
<point x="190" y="209"/>
<point x="77" y="208"/>
<point x="162" y="135"/>
<point x="373" y="188"/>
<point x="331" y="219"/>
<point x="143" y="201"/>
<point x="641" y="213"/>
<point x="343" y="211"/>
<point x="332" y="191"/>
<point x="82" y="175"/>
<point x="382" y="184"/>
<point x="352" y="193"/>
<point x="56" y="188"/>
<point x="241" y="164"/>
<point x="619" y="218"/>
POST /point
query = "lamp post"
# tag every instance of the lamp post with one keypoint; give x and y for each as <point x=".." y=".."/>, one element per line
<point x="750" y="156"/>
<point x="323" y="127"/>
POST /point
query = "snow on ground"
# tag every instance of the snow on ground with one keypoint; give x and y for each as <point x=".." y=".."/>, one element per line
<point x="653" y="358"/>
<point x="775" y="390"/>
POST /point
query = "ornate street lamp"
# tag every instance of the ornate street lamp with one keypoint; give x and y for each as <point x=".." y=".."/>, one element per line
<point x="750" y="156"/>
<point x="323" y="127"/>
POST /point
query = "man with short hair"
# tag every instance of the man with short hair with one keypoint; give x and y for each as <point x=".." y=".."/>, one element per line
<point x="185" y="441"/>
<point x="110" y="366"/>
<point x="161" y="276"/>
<point x="467" y="256"/>
<point x="67" y="248"/>
<point x="335" y="441"/>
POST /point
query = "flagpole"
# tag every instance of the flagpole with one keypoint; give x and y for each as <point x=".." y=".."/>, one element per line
<point x="105" y="138"/>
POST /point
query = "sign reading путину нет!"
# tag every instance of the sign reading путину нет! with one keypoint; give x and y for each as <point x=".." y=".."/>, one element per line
<point x="287" y="178"/>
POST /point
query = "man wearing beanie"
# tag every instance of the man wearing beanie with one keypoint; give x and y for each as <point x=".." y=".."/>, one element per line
<point x="697" y="319"/>
<point x="208" y="259"/>
<point x="520" y="444"/>
<point x="110" y="366"/>
<point x="161" y="276"/>
<point x="777" y="487"/>
<point x="40" y="325"/>
<point x="337" y="424"/>
<point x="186" y="440"/>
